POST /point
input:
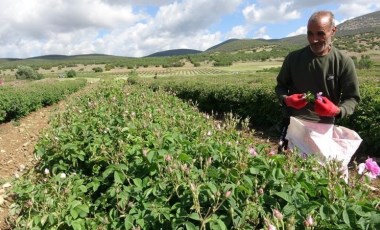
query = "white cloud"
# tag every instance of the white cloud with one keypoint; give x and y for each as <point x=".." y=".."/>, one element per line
<point x="238" y="32"/>
<point x="262" y="33"/>
<point x="301" y="30"/>
<point x="108" y="26"/>
<point x="192" y="15"/>
<point x="140" y="27"/>
<point x="270" y="13"/>
<point x="357" y="8"/>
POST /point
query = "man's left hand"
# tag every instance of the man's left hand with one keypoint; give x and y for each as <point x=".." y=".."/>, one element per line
<point x="324" y="107"/>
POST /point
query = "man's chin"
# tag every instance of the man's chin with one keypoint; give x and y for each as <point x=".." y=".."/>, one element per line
<point x="317" y="51"/>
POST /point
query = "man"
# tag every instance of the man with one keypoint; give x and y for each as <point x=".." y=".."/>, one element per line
<point x="319" y="67"/>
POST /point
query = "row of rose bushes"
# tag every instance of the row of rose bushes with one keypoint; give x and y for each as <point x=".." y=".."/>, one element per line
<point x="126" y="157"/>
<point x="20" y="99"/>
<point x="254" y="97"/>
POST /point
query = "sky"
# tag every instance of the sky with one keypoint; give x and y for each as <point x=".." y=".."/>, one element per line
<point x="136" y="28"/>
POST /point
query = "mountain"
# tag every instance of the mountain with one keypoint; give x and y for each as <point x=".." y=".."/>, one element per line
<point x="369" y="22"/>
<point x="174" y="52"/>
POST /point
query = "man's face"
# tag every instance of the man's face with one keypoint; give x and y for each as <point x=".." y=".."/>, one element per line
<point x="319" y="35"/>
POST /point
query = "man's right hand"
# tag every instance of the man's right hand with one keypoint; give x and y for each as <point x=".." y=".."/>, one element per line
<point x="297" y="101"/>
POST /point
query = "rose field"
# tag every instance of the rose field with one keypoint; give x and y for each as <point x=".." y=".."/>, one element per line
<point x="178" y="153"/>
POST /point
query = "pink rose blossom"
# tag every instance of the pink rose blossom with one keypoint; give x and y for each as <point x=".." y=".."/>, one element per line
<point x="272" y="153"/>
<point x="309" y="222"/>
<point x="372" y="166"/>
<point x="228" y="193"/>
<point x="369" y="168"/>
<point x="319" y="96"/>
<point x="252" y="151"/>
<point x="277" y="214"/>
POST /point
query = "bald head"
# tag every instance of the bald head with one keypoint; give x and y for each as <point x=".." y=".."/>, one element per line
<point x="326" y="17"/>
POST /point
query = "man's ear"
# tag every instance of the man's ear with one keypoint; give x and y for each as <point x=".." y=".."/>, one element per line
<point x="334" y="29"/>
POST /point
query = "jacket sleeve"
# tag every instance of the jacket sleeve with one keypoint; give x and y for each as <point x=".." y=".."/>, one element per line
<point x="283" y="79"/>
<point x="350" y="96"/>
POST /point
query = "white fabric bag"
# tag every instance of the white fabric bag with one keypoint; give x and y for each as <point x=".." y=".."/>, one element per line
<point x="327" y="141"/>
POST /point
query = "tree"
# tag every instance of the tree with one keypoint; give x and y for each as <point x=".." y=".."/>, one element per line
<point x="97" y="69"/>
<point x="365" y="62"/>
<point x="71" y="73"/>
<point x="27" y="72"/>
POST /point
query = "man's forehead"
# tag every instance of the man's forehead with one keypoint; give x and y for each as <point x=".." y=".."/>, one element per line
<point x="319" y="21"/>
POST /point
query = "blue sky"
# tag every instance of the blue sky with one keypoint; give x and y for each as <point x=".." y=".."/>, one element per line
<point x="137" y="28"/>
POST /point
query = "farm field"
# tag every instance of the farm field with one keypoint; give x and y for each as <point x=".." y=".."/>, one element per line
<point x="193" y="219"/>
<point x="174" y="133"/>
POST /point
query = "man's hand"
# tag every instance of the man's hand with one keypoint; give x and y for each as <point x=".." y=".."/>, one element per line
<point x="296" y="101"/>
<point x="324" y="107"/>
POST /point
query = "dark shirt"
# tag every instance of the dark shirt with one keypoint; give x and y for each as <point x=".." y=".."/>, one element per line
<point x="333" y="74"/>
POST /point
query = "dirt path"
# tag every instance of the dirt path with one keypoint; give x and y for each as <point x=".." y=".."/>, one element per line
<point x="17" y="140"/>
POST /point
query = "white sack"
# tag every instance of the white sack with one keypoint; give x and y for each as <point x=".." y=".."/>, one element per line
<point x="327" y="141"/>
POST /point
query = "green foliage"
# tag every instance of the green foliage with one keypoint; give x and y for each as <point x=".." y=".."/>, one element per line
<point x="366" y="119"/>
<point x="364" y="63"/>
<point x="27" y="72"/>
<point x="97" y="69"/>
<point x="18" y="101"/>
<point x="125" y="157"/>
<point x="133" y="73"/>
<point x="108" y="67"/>
<point x="71" y="74"/>
<point x="252" y="96"/>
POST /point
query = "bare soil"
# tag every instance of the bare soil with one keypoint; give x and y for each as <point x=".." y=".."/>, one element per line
<point x="17" y="140"/>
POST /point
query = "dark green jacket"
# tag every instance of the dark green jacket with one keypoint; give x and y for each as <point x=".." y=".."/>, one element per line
<point x="333" y="74"/>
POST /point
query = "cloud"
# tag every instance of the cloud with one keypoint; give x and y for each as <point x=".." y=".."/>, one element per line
<point x="301" y="30"/>
<point x="138" y="2"/>
<point x="270" y="13"/>
<point x="109" y="26"/>
<point x="262" y="33"/>
<point x="237" y="32"/>
<point x="192" y="16"/>
<point x="140" y="27"/>
<point x="357" y="8"/>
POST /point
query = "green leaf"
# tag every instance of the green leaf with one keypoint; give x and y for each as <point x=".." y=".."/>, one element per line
<point x="248" y="180"/>
<point x="289" y="209"/>
<point x="359" y="211"/>
<point x="285" y="196"/>
<point x="150" y="156"/>
<point x="346" y="218"/>
<point x="184" y="157"/>
<point x="138" y="182"/>
<point x="76" y="226"/>
<point x="190" y="226"/>
<point x="74" y="213"/>
<point x="375" y="218"/>
<point x="128" y="222"/>
<point x="221" y="224"/>
<point x="82" y="210"/>
<point x="322" y="212"/>
<point x="122" y="167"/>
<point x="254" y="171"/>
<point x="194" y="216"/>
<point x="118" y="177"/>
<point x="44" y="219"/>
<point x="212" y="187"/>
<point x="110" y="169"/>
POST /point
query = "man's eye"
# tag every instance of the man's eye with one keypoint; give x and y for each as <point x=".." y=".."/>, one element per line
<point x="321" y="33"/>
<point x="309" y="33"/>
